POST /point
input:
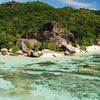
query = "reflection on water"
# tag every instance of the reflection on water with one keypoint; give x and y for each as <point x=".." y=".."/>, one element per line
<point x="74" y="77"/>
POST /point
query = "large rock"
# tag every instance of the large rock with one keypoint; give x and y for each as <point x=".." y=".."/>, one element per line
<point x="58" y="41"/>
<point x="52" y="27"/>
<point x="98" y="42"/>
<point x="24" y="48"/>
<point x="61" y="42"/>
<point x="33" y="42"/>
<point x="66" y="53"/>
<point x="34" y="54"/>
<point x="70" y="48"/>
<point x="26" y="44"/>
<point x="4" y="51"/>
<point x="69" y="37"/>
<point x="47" y="34"/>
<point x="20" y="41"/>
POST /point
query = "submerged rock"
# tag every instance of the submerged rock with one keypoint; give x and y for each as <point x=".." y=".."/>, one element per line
<point x="1" y="62"/>
<point x="88" y="71"/>
<point x="47" y="63"/>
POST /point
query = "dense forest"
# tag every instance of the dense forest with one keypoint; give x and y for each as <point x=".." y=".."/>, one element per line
<point x="19" y="19"/>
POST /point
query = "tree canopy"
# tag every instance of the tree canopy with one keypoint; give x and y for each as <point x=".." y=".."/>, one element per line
<point x="18" y="19"/>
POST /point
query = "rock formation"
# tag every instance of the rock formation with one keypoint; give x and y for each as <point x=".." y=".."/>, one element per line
<point x="53" y="29"/>
<point x="51" y="33"/>
<point x="26" y="44"/>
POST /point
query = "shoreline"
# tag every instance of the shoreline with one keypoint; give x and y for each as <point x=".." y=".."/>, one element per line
<point x="53" y="54"/>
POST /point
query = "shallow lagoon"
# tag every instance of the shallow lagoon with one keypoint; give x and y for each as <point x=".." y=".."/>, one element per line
<point x="63" y="78"/>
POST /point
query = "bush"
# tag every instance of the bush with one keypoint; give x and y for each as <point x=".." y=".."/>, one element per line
<point x="6" y="40"/>
<point x="15" y="48"/>
<point x="83" y="47"/>
<point x="49" y="46"/>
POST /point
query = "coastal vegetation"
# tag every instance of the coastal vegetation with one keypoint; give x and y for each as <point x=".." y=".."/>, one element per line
<point x="17" y="20"/>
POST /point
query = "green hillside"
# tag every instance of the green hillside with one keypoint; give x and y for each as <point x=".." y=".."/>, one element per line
<point x="19" y="19"/>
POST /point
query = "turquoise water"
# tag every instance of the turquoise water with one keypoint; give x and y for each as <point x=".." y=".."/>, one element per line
<point x="75" y="77"/>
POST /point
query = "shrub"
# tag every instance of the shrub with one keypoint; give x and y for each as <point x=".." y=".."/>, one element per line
<point x="15" y="48"/>
<point x="6" y="40"/>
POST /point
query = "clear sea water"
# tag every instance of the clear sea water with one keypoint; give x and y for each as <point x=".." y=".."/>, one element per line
<point x="58" y="78"/>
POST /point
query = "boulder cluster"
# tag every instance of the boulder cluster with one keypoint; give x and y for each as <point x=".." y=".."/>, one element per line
<point x="31" y="53"/>
<point x="51" y="33"/>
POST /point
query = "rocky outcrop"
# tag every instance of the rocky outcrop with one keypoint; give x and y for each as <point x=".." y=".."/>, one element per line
<point x="58" y="41"/>
<point x="69" y="37"/>
<point x="24" y="47"/>
<point x="52" y="27"/>
<point x="50" y="30"/>
<point x="61" y="42"/>
<point x="51" y="33"/>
